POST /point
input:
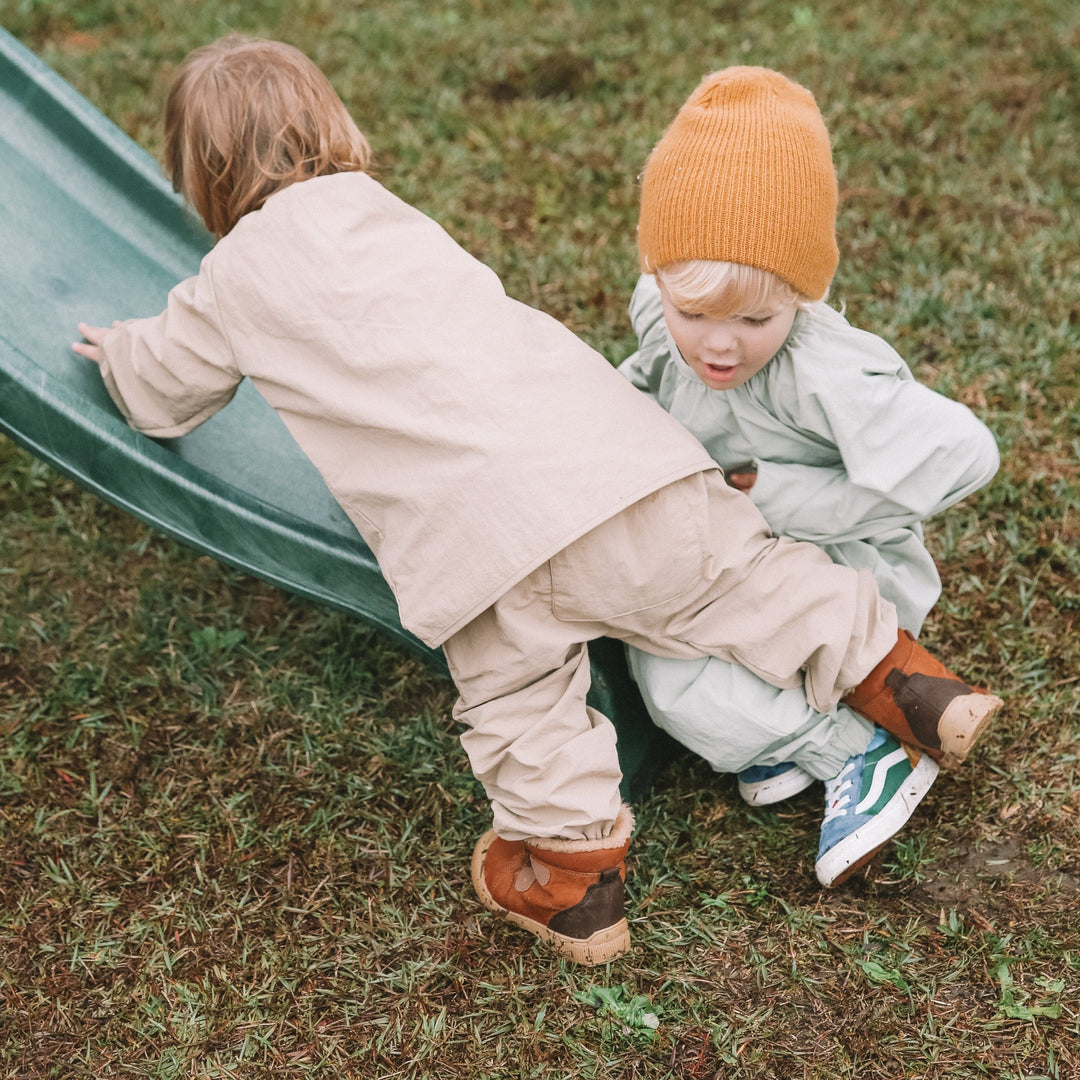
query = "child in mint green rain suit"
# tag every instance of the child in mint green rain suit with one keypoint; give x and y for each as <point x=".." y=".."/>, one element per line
<point x="822" y="424"/>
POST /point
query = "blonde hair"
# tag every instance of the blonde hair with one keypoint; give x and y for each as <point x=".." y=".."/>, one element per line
<point x="722" y="290"/>
<point x="247" y="117"/>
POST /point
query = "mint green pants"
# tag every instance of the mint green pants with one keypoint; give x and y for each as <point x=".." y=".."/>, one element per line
<point x="733" y="719"/>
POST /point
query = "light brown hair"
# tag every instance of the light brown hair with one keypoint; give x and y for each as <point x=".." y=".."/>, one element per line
<point x="247" y="117"/>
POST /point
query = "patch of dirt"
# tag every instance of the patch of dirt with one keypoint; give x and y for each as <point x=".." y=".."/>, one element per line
<point x="995" y="878"/>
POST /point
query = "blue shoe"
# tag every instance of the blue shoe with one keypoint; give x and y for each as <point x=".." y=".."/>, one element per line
<point x="763" y="784"/>
<point x="868" y="803"/>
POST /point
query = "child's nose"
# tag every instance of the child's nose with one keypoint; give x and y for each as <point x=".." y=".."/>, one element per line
<point x="721" y="337"/>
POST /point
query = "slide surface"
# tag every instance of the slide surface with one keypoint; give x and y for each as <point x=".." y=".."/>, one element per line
<point x="90" y="231"/>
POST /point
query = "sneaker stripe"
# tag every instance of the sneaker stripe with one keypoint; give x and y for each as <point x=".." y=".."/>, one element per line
<point x="880" y="778"/>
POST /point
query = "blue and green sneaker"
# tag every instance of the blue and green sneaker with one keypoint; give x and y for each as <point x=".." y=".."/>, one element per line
<point x="869" y="802"/>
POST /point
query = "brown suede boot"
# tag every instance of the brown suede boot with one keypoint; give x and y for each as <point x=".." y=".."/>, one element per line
<point x="921" y="702"/>
<point x="570" y="893"/>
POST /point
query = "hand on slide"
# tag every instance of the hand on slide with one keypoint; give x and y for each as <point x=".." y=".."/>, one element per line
<point x="94" y="335"/>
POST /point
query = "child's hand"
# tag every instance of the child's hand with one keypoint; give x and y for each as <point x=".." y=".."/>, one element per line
<point x="742" y="476"/>
<point x="94" y="335"/>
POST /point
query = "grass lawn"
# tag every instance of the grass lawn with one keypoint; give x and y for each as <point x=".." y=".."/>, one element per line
<point x="235" y="827"/>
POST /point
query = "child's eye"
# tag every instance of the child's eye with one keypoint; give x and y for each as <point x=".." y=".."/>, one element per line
<point x="691" y="315"/>
<point x="756" y="321"/>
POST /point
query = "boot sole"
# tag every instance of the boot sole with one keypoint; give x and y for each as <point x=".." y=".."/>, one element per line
<point x="963" y="721"/>
<point x="602" y="946"/>
<point x="856" y="850"/>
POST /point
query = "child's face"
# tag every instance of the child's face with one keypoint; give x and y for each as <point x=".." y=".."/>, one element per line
<point x="724" y="353"/>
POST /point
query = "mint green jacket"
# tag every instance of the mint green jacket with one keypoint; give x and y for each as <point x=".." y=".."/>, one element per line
<point x="852" y="452"/>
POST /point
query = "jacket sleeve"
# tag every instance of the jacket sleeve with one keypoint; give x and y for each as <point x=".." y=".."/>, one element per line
<point x="905" y="454"/>
<point x="169" y="373"/>
<point x="645" y="368"/>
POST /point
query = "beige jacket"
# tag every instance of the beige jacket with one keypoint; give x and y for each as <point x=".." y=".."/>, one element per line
<point x="468" y="436"/>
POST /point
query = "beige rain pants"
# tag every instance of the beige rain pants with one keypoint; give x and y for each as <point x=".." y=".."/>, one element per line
<point x="689" y="571"/>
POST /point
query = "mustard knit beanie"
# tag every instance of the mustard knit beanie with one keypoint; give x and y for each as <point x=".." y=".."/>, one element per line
<point x="744" y="174"/>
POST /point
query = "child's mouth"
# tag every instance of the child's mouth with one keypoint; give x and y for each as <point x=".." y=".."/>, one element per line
<point x="720" y="371"/>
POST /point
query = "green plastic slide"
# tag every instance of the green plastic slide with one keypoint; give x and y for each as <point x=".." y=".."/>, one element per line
<point x="90" y="231"/>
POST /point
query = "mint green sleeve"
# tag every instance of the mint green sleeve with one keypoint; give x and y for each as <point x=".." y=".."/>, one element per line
<point x="646" y="367"/>
<point x="902" y="451"/>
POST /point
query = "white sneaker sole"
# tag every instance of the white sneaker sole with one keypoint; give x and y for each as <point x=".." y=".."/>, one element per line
<point x="777" y="788"/>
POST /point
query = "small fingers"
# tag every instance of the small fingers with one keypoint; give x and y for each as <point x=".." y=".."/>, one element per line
<point x="94" y="333"/>
<point x="91" y="352"/>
